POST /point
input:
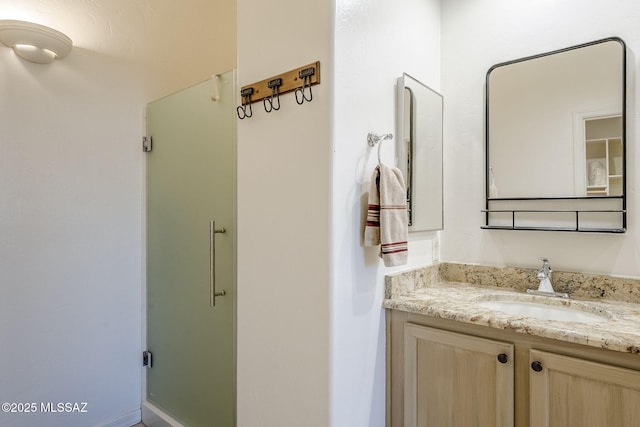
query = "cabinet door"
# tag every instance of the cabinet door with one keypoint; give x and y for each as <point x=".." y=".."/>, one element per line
<point x="570" y="392"/>
<point x="456" y="380"/>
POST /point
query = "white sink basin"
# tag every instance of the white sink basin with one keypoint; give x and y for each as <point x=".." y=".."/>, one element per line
<point x="543" y="311"/>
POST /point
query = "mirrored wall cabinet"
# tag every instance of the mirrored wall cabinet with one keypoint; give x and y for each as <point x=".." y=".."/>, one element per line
<point x="555" y="140"/>
<point x="419" y="146"/>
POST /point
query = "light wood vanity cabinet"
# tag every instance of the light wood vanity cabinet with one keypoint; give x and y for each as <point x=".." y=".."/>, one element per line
<point x="452" y="379"/>
<point x="567" y="391"/>
<point x="442" y="373"/>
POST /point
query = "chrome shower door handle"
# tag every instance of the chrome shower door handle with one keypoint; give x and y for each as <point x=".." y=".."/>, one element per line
<point x="212" y="264"/>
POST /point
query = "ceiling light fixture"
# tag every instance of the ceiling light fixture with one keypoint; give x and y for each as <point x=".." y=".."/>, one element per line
<point x="34" y="42"/>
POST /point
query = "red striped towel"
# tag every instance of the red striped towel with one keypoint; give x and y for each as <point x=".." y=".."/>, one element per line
<point x="387" y="221"/>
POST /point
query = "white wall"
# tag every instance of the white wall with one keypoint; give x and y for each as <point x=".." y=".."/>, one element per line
<point x="283" y="221"/>
<point x="478" y="34"/>
<point x="375" y="42"/>
<point x="70" y="221"/>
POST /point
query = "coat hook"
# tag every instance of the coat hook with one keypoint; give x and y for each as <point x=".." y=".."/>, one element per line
<point x="273" y="85"/>
<point x="246" y="101"/>
<point x="305" y="75"/>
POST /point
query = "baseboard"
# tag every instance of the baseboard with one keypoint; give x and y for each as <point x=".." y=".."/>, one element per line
<point x="126" y="420"/>
<point x="152" y="416"/>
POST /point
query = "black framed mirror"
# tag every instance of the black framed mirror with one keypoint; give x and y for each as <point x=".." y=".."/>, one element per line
<point x="556" y="140"/>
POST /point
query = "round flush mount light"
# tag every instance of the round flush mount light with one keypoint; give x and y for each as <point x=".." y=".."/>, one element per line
<point x="34" y="42"/>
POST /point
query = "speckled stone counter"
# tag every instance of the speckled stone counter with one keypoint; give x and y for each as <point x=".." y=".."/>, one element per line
<point x="455" y="292"/>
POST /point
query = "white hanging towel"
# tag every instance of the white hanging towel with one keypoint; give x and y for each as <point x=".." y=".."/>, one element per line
<point x="387" y="221"/>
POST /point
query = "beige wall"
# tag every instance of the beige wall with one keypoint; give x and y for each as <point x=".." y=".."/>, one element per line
<point x="71" y="180"/>
<point x="168" y="45"/>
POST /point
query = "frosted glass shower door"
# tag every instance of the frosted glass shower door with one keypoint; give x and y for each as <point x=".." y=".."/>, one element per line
<point x="190" y="183"/>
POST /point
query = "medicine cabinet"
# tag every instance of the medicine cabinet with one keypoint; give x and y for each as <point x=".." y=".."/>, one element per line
<point x="419" y="146"/>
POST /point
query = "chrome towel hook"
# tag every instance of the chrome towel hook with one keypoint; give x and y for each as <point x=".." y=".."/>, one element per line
<point x="246" y="102"/>
<point x="374" y="139"/>
<point x="305" y="75"/>
<point x="273" y="85"/>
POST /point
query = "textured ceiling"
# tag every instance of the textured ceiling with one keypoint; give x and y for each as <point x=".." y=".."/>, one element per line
<point x="176" y="43"/>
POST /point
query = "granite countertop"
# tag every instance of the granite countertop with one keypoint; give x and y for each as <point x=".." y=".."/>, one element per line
<point x="429" y="292"/>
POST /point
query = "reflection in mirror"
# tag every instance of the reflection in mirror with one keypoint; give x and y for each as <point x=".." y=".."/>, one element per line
<point x="555" y="128"/>
<point x="420" y="151"/>
<point x="549" y="117"/>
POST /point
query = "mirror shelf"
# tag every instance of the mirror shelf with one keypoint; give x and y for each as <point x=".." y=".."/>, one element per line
<point x="597" y="214"/>
<point x="573" y="218"/>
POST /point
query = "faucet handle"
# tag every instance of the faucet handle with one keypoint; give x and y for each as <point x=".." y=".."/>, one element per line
<point x="545" y="271"/>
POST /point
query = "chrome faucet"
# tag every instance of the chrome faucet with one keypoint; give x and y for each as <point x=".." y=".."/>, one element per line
<point x="546" y="287"/>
